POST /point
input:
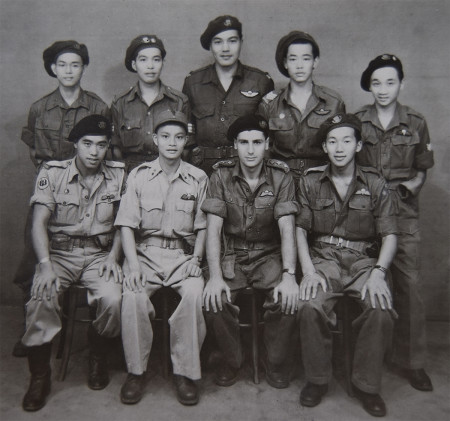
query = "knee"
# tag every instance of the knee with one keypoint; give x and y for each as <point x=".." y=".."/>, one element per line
<point x="308" y="310"/>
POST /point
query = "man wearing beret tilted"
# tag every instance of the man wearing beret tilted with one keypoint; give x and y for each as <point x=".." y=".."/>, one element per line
<point x="134" y="112"/>
<point x="50" y="121"/>
<point x="252" y="202"/>
<point x="296" y="112"/>
<point x="397" y="144"/>
<point x="74" y="239"/>
<point x="344" y="209"/>
<point x="221" y="92"/>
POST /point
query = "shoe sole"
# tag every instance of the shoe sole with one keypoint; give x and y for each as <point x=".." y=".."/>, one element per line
<point x="276" y="385"/>
<point x="188" y="402"/>
<point x="227" y="383"/>
<point x="130" y="401"/>
<point x="309" y="404"/>
<point x="92" y="387"/>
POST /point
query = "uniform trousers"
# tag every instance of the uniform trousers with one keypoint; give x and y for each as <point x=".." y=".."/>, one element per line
<point x="262" y="272"/>
<point x="80" y="264"/>
<point x="344" y="270"/>
<point x="164" y="267"/>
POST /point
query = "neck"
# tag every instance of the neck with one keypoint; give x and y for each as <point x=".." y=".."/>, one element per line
<point x="386" y="111"/>
<point x="226" y="71"/>
<point x="169" y="166"/>
<point x="85" y="172"/>
<point x="149" y="88"/>
<point x="343" y="172"/>
<point x="70" y="94"/>
<point x="301" y="88"/>
<point x="253" y="173"/>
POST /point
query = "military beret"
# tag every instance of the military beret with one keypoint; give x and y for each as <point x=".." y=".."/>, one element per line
<point x="138" y="44"/>
<point x="51" y="53"/>
<point x="167" y="117"/>
<point x="338" y="120"/>
<point x="245" y="123"/>
<point x="286" y="41"/>
<point x="385" y="60"/>
<point x="219" y="24"/>
<point x="94" y="125"/>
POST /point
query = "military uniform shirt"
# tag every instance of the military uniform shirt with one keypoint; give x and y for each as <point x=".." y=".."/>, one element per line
<point x="294" y="133"/>
<point x="401" y="150"/>
<point x="157" y="206"/>
<point x="367" y="210"/>
<point x="75" y="210"/>
<point x="251" y="216"/>
<point x="50" y="121"/>
<point x="134" y="120"/>
<point x="214" y="110"/>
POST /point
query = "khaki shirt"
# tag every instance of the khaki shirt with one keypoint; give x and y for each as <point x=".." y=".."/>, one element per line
<point x="75" y="210"/>
<point x="155" y="205"/>
<point x="50" y="121"/>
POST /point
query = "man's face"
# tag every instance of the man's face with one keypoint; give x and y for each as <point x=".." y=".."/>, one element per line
<point x="300" y="62"/>
<point x="226" y="47"/>
<point x="341" y="146"/>
<point x="91" y="151"/>
<point x="385" y="86"/>
<point x="170" y="139"/>
<point x="148" y="65"/>
<point x="68" y="69"/>
<point x="251" y="145"/>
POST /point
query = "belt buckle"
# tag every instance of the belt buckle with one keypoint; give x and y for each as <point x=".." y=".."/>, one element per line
<point x="339" y="243"/>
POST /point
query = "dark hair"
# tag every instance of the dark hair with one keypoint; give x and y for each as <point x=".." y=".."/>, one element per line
<point x="315" y="50"/>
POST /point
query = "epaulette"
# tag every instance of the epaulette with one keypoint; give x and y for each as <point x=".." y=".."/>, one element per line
<point x="223" y="164"/>
<point x="369" y="169"/>
<point x="270" y="96"/>
<point x="195" y="172"/>
<point x="274" y="163"/>
<point x="413" y="112"/>
<point x="117" y="97"/>
<point x="329" y="92"/>
<point x="193" y="72"/>
<point x="114" y="164"/>
<point x="321" y="168"/>
<point x="256" y="70"/>
<point x="362" y="110"/>
<point x="57" y="164"/>
<point x="93" y="95"/>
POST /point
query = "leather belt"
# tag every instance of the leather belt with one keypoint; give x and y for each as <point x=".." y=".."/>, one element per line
<point x="218" y="153"/>
<point x="67" y="242"/>
<point x="240" y="244"/>
<point x="163" y="242"/>
<point x="303" y="164"/>
<point x="342" y="242"/>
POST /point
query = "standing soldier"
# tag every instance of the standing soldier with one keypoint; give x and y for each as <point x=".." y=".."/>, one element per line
<point x="50" y="121"/>
<point x="159" y="216"/>
<point x="134" y="112"/>
<point x="74" y="239"/>
<point x="296" y="112"/>
<point x="253" y="202"/>
<point x="397" y="144"/>
<point x="222" y="91"/>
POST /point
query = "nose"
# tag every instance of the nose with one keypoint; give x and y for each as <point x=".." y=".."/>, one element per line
<point x="172" y="141"/>
<point x="339" y="146"/>
<point x="225" y="46"/>
<point x="69" y="69"/>
<point x="93" y="150"/>
<point x="251" y="149"/>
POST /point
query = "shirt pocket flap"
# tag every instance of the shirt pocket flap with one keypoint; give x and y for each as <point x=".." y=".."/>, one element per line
<point x="316" y="120"/>
<point x="47" y="124"/>
<point x="200" y="112"/>
<point x="109" y="196"/>
<point x="405" y="137"/>
<point x="320" y="204"/>
<point x="185" y="205"/>
<point x="359" y="202"/>
<point x="281" y="124"/>
<point x="264" y="202"/>
<point x="131" y="124"/>
<point x="152" y="204"/>
<point x="67" y="199"/>
<point x="371" y="139"/>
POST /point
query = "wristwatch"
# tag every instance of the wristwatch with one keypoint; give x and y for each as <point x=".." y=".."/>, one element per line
<point x="290" y="271"/>
<point x="379" y="267"/>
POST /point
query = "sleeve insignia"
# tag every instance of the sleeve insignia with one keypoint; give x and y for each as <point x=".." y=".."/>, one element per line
<point x="249" y="94"/>
<point x="43" y="183"/>
<point x="266" y="193"/>
<point x="429" y="148"/>
<point x="270" y="96"/>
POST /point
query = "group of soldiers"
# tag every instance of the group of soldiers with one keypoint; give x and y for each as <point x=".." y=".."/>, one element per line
<point x="281" y="190"/>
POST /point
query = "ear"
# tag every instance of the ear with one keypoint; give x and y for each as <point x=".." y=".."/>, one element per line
<point x="133" y="65"/>
<point x="316" y="62"/>
<point x="155" y="139"/>
<point x="235" y="144"/>
<point x="359" y="145"/>
<point x="53" y="67"/>
<point x="285" y="63"/>
<point x="324" y="147"/>
<point x="402" y="84"/>
<point x="266" y="147"/>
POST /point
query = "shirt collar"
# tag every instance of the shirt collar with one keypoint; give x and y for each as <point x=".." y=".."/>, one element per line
<point x="371" y="115"/>
<point x="182" y="171"/>
<point x="211" y="74"/>
<point x="237" y="173"/>
<point x="56" y="100"/>
<point x="73" y="171"/>
<point x="327" y="174"/>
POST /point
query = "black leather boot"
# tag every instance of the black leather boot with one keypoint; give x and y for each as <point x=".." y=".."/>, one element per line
<point x="40" y="383"/>
<point x="98" y="377"/>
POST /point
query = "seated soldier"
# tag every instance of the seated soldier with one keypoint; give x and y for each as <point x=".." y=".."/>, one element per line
<point x="159" y="216"/>
<point x="343" y="207"/>
<point x="74" y="240"/>
<point x="253" y="202"/>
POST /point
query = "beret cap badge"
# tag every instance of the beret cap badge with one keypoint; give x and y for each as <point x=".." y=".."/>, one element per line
<point x="101" y="125"/>
<point x="227" y="22"/>
<point x="336" y="119"/>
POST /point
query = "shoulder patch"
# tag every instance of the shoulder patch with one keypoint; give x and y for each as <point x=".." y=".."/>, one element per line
<point x="270" y="96"/>
<point x="57" y="164"/>
<point x="43" y="183"/>
<point x="321" y="168"/>
<point x="274" y="163"/>
<point x="114" y="164"/>
<point x="223" y="164"/>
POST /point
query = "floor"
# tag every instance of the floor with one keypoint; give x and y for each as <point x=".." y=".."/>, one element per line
<point x="72" y="400"/>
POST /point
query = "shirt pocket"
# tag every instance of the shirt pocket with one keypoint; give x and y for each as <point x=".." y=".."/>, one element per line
<point x="315" y="120"/>
<point x="67" y="210"/>
<point x="404" y="143"/>
<point x="152" y="213"/>
<point x="131" y="133"/>
<point x="324" y="215"/>
<point x="282" y="132"/>
<point x="106" y="205"/>
<point x="184" y="219"/>
<point x="360" y="221"/>
<point x="264" y="212"/>
<point x="49" y="143"/>
<point x="203" y="111"/>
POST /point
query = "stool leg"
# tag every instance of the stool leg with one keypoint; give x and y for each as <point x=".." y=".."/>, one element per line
<point x="347" y="339"/>
<point x="255" y="350"/>
<point x="165" y="335"/>
<point x="68" y="335"/>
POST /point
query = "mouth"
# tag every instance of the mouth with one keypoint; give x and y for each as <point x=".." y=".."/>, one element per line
<point x="92" y="161"/>
<point x="339" y="158"/>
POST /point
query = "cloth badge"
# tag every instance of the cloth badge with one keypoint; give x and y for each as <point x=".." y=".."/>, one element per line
<point x="429" y="148"/>
<point x="363" y="192"/>
<point x="266" y="193"/>
<point x="322" y="111"/>
<point x="336" y="119"/>
<point x="249" y="94"/>
<point x="43" y="183"/>
<point x="282" y="115"/>
<point x="188" y="196"/>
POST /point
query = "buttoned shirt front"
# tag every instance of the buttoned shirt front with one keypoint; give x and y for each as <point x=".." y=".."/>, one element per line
<point x="76" y="210"/>
<point x="156" y="205"/>
<point x="251" y="216"/>
<point x="399" y="151"/>
<point x="294" y="133"/>
<point x="134" y="120"/>
<point x="51" y="119"/>
<point x="366" y="211"/>
<point x="215" y="109"/>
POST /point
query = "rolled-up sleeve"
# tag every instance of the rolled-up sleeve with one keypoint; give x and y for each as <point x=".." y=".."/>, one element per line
<point x="286" y="203"/>
<point x="129" y="214"/>
<point x="384" y="210"/>
<point x="424" y="158"/>
<point x="214" y="202"/>
<point x="200" y="216"/>
<point x="304" y="218"/>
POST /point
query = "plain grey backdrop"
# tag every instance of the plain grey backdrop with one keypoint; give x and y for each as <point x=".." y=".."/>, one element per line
<point x="349" y="32"/>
